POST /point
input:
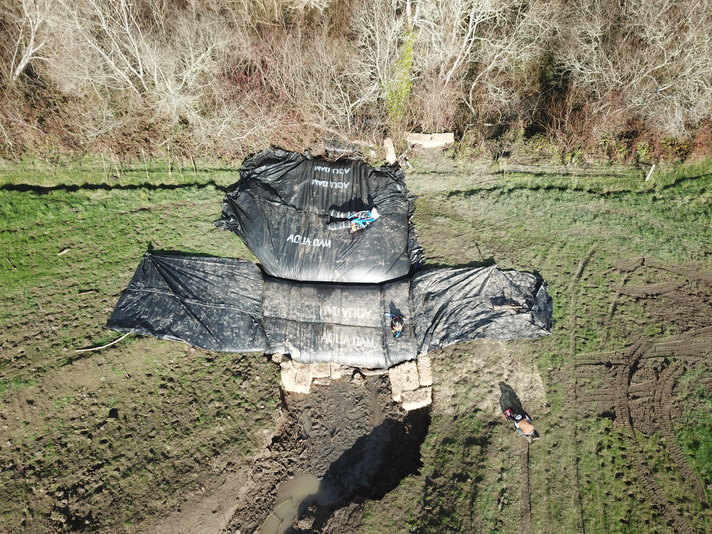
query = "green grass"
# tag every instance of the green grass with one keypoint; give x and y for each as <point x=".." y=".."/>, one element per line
<point x="453" y="451"/>
<point x="66" y="171"/>
<point x="14" y="384"/>
<point x="609" y="481"/>
<point x="65" y="256"/>
<point x="84" y="246"/>
<point x="693" y="434"/>
<point x="66" y="252"/>
<point x="574" y="231"/>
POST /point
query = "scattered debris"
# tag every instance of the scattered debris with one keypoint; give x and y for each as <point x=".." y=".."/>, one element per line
<point x="390" y="150"/>
<point x="650" y="173"/>
<point x="435" y="140"/>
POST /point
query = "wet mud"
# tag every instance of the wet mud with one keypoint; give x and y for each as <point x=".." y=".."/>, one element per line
<point x="342" y="444"/>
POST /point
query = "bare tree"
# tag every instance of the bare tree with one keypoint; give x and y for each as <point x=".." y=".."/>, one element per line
<point x="476" y="53"/>
<point x="230" y="71"/>
<point x="114" y="46"/>
<point x="320" y="82"/>
<point x="26" y="23"/>
<point x="379" y="32"/>
<point x="650" y="59"/>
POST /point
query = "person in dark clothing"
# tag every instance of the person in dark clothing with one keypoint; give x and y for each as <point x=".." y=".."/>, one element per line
<point x="522" y="422"/>
<point x="513" y="411"/>
<point x="397" y="324"/>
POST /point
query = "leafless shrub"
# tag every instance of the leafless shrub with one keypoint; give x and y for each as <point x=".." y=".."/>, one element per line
<point x="569" y="120"/>
<point x="319" y="5"/>
<point x="225" y="73"/>
<point x="645" y="58"/>
<point x="233" y="123"/>
<point x="449" y="34"/>
<point x="506" y="63"/>
<point x="322" y="82"/>
<point x="434" y="106"/>
<point x="110" y="48"/>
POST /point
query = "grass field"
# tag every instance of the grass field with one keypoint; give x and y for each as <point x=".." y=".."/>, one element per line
<point x="627" y="262"/>
<point x="99" y="441"/>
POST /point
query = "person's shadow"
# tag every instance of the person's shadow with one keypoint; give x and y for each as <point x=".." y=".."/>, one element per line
<point x="509" y="399"/>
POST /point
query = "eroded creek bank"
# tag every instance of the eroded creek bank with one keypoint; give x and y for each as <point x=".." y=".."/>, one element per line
<point x="341" y="444"/>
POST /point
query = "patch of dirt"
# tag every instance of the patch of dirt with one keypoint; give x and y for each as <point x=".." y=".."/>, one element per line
<point x="495" y="459"/>
<point x="351" y="437"/>
<point x="122" y="436"/>
<point x="207" y="509"/>
<point x="482" y="366"/>
<point x="682" y="298"/>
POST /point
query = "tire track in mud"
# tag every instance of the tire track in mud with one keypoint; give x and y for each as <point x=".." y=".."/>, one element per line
<point x="692" y="274"/>
<point x="627" y="426"/>
<point x="617" y="299"/>
<point x="525" y="506"/>
<point x="572" y="401"/>
<point x="646" y="404"/>
<point x="622" y="392"/>
<point x="665" y="403"/>
<point x="693" y="344"/>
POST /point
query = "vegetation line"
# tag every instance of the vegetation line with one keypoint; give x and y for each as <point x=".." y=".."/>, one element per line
<point x="148" y="78"/>
<point x="43" y="190"/>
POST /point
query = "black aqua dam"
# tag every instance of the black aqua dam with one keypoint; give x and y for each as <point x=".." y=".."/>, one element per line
<point x="338" y="258"/>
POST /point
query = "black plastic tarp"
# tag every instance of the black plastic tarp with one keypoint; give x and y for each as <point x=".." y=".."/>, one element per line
<point x="462" y="304"/>
<point x="229" y="305"/>
<point x="213" y="303"/>
<point x="297" y="213"/>
<point x="319" y="322"/>
<point x="337" y="243"/>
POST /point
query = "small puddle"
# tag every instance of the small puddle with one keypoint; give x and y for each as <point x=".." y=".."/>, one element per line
<point x="374" y="465"/>
<point x="293" y="496"/>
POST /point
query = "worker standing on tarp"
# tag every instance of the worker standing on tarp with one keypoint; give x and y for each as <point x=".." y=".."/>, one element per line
<point x="397" y="324"/>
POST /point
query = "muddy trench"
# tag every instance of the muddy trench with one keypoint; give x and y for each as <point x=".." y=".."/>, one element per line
<point x="345" y="442"/>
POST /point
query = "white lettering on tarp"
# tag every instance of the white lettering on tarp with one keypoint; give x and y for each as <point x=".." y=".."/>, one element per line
<point x="308" y="241"/>
<point x="331" y="185"/>
<point x="353" y="340"/>
<point x="326" y="243"/>
<point x="338" y="313"/>
<point x="299" y="239"/>
<point x="331" y="170"/>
